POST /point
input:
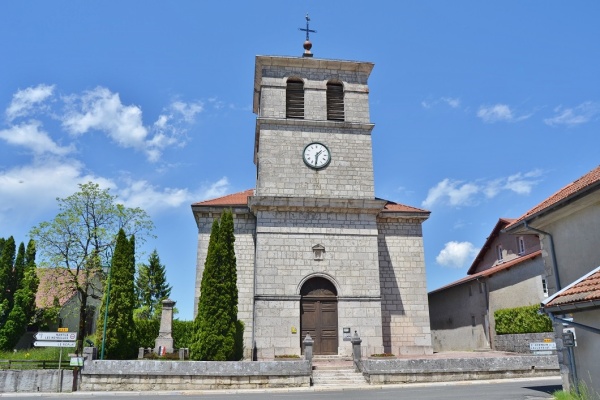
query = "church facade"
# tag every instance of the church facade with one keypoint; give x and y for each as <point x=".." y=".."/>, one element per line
<point x="317" y="252"/>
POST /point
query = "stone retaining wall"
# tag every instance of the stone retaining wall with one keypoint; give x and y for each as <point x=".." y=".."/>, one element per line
<point x="455" y="369"/>
<point x="519" y="343"/>
<point x="35" y="380"/>
<point x="115" y="375"/>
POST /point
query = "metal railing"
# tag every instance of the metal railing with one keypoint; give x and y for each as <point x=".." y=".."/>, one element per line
<point x="34" y="364"/>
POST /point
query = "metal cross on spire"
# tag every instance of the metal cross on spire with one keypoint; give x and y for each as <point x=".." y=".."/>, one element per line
<point x="307" y="44"/>
<point x="307" y="30"/>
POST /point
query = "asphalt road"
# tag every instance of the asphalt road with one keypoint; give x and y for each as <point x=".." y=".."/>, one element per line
<point x="526" y="389"/>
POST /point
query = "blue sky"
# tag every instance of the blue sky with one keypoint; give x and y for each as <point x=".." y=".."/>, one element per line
<point x="481" y="109"/>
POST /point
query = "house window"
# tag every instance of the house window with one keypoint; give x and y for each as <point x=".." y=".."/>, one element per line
<point x="521" y="245"/>
<point x="499" y="252"/>
<point x="294" y="99"/>
<point x="472" y="320"/>
<point x="545" y="287"/>
<point x="335" y="101"/>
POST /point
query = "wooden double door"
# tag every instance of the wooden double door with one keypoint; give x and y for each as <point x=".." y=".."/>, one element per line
<point x="319" y="316"/>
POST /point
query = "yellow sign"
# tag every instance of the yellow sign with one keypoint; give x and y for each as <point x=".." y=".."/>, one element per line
<point x="547" y="340"/>
<point x="294" y="329"/>
<point x="63" y="329"/>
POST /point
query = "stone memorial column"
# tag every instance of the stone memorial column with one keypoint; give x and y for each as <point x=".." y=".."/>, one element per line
<point x="165" y="338"/>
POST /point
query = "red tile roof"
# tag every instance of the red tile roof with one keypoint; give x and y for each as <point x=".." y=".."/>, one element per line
<point x="234" y="199"/>
<point x="55" y="283"/>
<point x="501" y="224"/>
<point x="573" y="188"/>
<point x="581" y="293"/>
<point x="491" y="271"/>
<point x="241" y="199"/>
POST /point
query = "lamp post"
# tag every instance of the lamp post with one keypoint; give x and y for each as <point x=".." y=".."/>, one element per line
<point x="106" y="312"/>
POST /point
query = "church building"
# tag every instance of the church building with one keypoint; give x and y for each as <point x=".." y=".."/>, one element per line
<point x="317" y="252"/>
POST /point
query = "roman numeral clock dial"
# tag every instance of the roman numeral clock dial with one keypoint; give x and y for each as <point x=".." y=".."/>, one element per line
<point x="316" y="155"/>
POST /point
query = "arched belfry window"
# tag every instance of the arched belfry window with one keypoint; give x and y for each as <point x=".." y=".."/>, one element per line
<point x="294" y="99"/>
<point x="335" y="101"/>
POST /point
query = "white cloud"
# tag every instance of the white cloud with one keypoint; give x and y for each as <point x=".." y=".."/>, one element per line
<point x="31" y="136"/>
<point x="28" y="191"/>
<point x="456" y="254"/>
<point x="581" y="114"/>
<point x="459" y="193"/>
<point x="456" y="193"/>
<point x="102" y="110"/>
<point x="154" y="199"/>
<point x="498" y="112"/>
<point x="453" y="102"/>
<point x="25" y="100"/>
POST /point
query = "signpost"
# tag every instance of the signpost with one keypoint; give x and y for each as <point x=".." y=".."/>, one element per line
<point x="56" y="339"/>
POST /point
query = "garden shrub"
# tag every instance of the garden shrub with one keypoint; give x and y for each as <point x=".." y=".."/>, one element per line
<point x="521" y="320"/>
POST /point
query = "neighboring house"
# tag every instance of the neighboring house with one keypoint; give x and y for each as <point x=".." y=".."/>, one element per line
<point x="55" y="290"/>
<point x="507" y="273"/>
<point x="568" y="223"/>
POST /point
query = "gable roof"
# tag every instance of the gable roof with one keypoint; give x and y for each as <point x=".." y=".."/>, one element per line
<point x="55" y="284"/>
<point x="491" y="271"/>
<point x="501" y="224"/>
<point x="587" y="182"/>
<point x="241" y="199"/>
<point x="582" y="294"/>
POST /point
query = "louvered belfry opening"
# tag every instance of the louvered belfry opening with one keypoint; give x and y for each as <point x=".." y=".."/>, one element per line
<point x="294" y="99"/>
<point x="335" y="101"/>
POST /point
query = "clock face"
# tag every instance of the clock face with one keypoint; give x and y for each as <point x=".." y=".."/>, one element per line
<point x="316" y="155"/>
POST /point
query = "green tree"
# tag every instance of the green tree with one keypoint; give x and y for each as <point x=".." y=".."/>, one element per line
<point x="81" y="239"/>
<point x="151" y="287"/>
<point x="216" y="325"/>
<point x="120" y="342"/>
<point x="7" y="261"/>
<point x="23" y="310"/>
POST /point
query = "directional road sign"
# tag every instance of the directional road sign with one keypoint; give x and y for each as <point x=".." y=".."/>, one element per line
<point x="50" y="343"/>
<point x="71" y="336"/>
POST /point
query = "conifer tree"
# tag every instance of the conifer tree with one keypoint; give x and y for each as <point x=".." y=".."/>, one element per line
<point x="23" y="308"/>
<point x="216" y="325"/>
<point x="7" y="292"/>
<point x="151" y="287"/>
<point x="120" y="342"/>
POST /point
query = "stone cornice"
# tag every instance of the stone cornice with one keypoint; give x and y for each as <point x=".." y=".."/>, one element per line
<point x="318" y="204"/>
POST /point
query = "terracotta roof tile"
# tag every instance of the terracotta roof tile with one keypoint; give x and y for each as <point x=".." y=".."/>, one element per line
<point x="584" y="290"/>
<point x="501" y="224"/>
<point x="55" y="283"/>
<point x="491" y="271"/>
<point x="571" y="189"/>
<point x="234" y="199"/>
<point x="241" y="199"/>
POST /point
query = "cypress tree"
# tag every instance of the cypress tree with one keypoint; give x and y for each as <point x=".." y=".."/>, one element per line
<point x="7" y="292"/>
<point x="24" y="308"/>
<point x="216" y="325"/>
<point x="120" y="340"/>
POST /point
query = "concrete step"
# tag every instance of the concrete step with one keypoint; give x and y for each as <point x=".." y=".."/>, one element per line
<point x="337" y="377"/>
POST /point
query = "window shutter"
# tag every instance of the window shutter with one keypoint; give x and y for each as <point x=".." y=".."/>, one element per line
<point x="294" y="99"/>
<point x="335" y="102"/>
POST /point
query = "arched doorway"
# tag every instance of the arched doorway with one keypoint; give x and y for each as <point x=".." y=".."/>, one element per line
<point x="319" y="316"/>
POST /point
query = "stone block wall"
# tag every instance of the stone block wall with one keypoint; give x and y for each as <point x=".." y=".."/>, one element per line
<point x="519" y="343"/>
<point x="282" y="171"/>
<point x="36" y="380"/>
<point x="404" y="304"/>
<point x="244" y="225"/>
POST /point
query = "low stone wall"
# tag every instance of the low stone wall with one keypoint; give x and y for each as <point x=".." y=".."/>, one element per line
<point x="456" y="369"/>
<point x="519" y="343"/>
<point x="115" y="375"/>
<point x="35" y="380"/>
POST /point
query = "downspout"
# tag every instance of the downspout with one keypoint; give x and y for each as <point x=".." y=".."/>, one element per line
<point x="552" y="252"/>
<point x="486" y="293"/>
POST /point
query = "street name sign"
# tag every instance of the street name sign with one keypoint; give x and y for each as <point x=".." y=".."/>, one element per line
<point x="70" y="336"/>
<point x="542" y="346"/>
<point x="50" y="343"/>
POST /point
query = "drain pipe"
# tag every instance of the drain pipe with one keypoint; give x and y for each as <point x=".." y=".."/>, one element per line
<point x="254" y="350"/>
<point x="552" y="252"/>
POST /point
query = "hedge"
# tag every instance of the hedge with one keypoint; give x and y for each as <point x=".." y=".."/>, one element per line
<point x="147" y="331"/>
<point x="521" y="320"/>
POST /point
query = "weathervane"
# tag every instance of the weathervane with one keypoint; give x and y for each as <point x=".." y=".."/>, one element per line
<point x="307" y="43"/>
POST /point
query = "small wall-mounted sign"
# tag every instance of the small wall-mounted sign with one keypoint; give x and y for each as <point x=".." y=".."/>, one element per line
<point x="294" y="330"/>
<point x="347" y="334"/>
